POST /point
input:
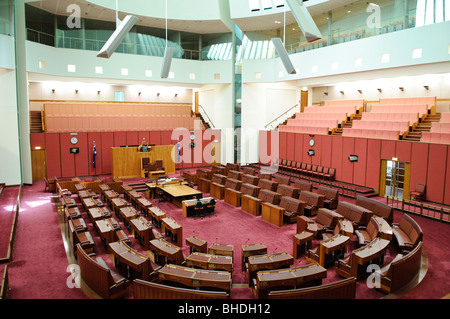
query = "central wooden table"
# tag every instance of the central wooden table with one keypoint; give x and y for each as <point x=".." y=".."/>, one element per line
<point x="196" y="278"/>
<point x="131" y="262"/>
<point x="188" y="205"/>
<point x="178" y="192"/>
<point x="210" y="262"/>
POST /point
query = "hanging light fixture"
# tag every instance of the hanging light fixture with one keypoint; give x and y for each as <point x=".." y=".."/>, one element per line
<point x="168" y="54"/>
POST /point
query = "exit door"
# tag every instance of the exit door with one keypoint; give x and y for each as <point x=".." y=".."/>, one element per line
<point x="395" y="179"/>
<point x="38" y="164"/>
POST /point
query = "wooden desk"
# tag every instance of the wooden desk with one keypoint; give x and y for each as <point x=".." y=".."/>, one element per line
<point x="328" y="247"/>
<point x="346" y="227"/>
<point x="134" y="196"/>
<point x="143" y="205"/>
<point x="127" y="213"/>
<point x="171" y="228"/>
<point x="374" y="250"/>
<point x="86" y="193"/>
<point x="106" y="230"/>
<point x="196" y="278"/>
<point x="196" y="244"/>
<point x="117" y="204"/>
<point x="141" y="229"/>
<point x="267" y="262"/>
<point x="108" y="195"/>
<point x="302" y="242"/>
<point x="90" y="202"/>
<point x="97" y="213"/>
<point x="221" y="249"/>
<point x="79" y="187"/>
<point x="291" y="278"/>
<point x="188" y="205"/>
<point x="157" y="216"/>
<point x="163" y="249"/>
<point x="251" y="205"/>
<point x="126" y="189"/>
<point x="252" y="250"/>
<point x="131" y="262"/>
<point x="272" y="214"/>
<point x="385" y="229"/>
<point x="210" y="262"/>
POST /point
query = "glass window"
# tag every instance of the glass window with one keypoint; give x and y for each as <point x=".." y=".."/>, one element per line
<point x="254" y="5"/>
<point x="119" y="96"/>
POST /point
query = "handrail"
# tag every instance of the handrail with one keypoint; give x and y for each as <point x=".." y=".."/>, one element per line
<point x="285" y="112"/>
<point x="209" y="119"/>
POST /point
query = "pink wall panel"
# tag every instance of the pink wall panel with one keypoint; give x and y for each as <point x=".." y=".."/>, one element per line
<point x="326" y="150"/>
<point x="359" y="168"/>
<point x="283" y="143"/>
<point x="336" y="160"/>
<point x="67" y="159"/>
<point x="307" y="158"/>
<point x="132" y="138"/>
<point x="290" y="146"/>
<point x="388" y="149"/>
<point x="403" y="151"/>
<point x="348" y="148"/>
<point x="437" y="161"/>
<point x="155" y="137"/>
<point x="166" y="137"/>
<point x="316" y="159"/>
<point x="419" y="164"/>
<point x="298" y="156"/>
<point x="97" y="138"/>
<point x="120" y="139"/>
<point x="82" y="159"/>
<point x="53" y="154"/>
<point x="373" y="163"/>
<point x="144" y="135"/>
<point x="107" y="144"/>
<point x="37" y="140"/>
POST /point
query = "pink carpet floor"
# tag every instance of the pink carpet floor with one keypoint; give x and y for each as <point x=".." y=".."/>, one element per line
<point x="39" y="265"/>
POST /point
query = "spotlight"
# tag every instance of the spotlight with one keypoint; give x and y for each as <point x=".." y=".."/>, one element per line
<point x="379" y="90"/>
<point x="157" y="94"/>
<point x="76" y="91"/>
<point x="176" y="94"/>
<point x="426" y="87"/>
<point x="360" y="91"/>
<point x="53" y="90"/>
<point x="342" y="92"/>
<point x="401" y="89"/>
<point x="326" y="93"/>
<point x="98" y="92"/>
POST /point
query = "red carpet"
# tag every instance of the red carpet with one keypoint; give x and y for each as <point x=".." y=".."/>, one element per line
<point x="8" y="199"/>
<point x="39" y="265"/>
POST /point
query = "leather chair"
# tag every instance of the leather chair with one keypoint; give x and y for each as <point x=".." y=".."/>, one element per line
<point x="419" y="192"/>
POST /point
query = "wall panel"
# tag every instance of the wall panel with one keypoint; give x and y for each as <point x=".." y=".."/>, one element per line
<point x="166" y="138"/>
<point x="67" y="159"/>
<point x="132" y="138"/>
<point x="336" y="161"/>
<point x="403" y="151"/>
<point x="359" y="168"/>
<point x="388" y="149"/>
<point x="348" y="148"/>
<point x="437" y="161"/>
<point x="373" y="163"/>
<point x="82" y="158"/>
<point x="97" y="138"/>
<point x="107" y="144"/>
<point x="299" y="154"/>
<point x="419" y="164"/>
<point x="327" y="142"/>
<point x="283" y="145"/>
<point x="290" y="146"/>
<point x="144" y="135"/>
<point x="155" y="137"/>
<point x="37" y="140"/>
<point x="53" y="153"/>
<point x="120" y="139"/>
<point x="447" y="179"/>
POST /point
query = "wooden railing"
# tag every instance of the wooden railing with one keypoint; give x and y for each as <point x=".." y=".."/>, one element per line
<point x="437" y="212"/>
<point x="209" y="119"/>
<point x="13" y="228"/>
<point x="279" y="116"/>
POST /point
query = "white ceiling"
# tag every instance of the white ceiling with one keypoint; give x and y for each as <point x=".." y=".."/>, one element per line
<point x="251" y="23"/>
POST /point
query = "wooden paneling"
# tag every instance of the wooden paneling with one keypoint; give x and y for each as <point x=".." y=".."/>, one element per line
<point x="388" y="149"/>
<point x="290" y="148"/>
<point x="283" y="145"/>
<point x="336" y="161"/>
<point x="126" y="161"/>
<point x="326" y="150"/>
<point x="359" y="168"/>
<point x="437" y="161"/>
<point x="419" y="164"/>
<point x="38" y="158"/>
<point x="348" y="148"/>
<point x="53" y="156"/>
<point x="373" y="163"/>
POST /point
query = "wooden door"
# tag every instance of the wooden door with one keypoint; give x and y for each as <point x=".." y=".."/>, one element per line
<point x="303" y="100"/>
<point x="38" y="164"/>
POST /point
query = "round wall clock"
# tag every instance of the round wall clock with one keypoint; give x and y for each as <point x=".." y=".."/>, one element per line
<point x="311" y="142"/>
<point x="74" y="140"/>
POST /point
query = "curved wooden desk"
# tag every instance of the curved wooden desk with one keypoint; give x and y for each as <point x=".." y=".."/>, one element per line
<point x="131" y="262"/>
<point x="210" y="262"/>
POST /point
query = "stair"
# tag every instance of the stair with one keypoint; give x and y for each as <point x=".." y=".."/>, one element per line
<point x="424" y="126"/>
<point x="348" y="124"/>
<point x="36" y="122"/>
<point x="205" y="124"/>
<point x="139" y="187"/>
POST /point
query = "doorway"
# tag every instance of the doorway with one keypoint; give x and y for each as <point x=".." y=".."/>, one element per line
<point x="394" y="179"/>
<point x="38" y="164"/>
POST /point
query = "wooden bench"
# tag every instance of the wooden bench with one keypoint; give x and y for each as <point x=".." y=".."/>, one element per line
<point x="377" y="208"/>
<point x="313" y="202"/>
<point x="366" y="234"/>
<point x="288" y="209"/>
<point x="285" y="190"/>
<point x="230" y="192"/>
<point x="401" y="270"/>
<point x="282" y="180"/>
<point x="407" y="233"/>
<point x="149" y="290"/>
<point x="216" y="185"/>
<point x="358" y="215"/>
<point x="100" y="278"/>
<point x="331" y="196"/>
<point x="252" y="204"/>
<point x="303" y="185"/>
<point x="342" y="289"/>
<point x="235" y="174"/>
<point x="267" y="184"/>
<point x="326" y="220"/>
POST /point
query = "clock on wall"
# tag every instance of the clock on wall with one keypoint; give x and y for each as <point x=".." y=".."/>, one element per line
<point x="311" y="142"/>
<point x="192" y="137"/>
<point x="74" y="140"/>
